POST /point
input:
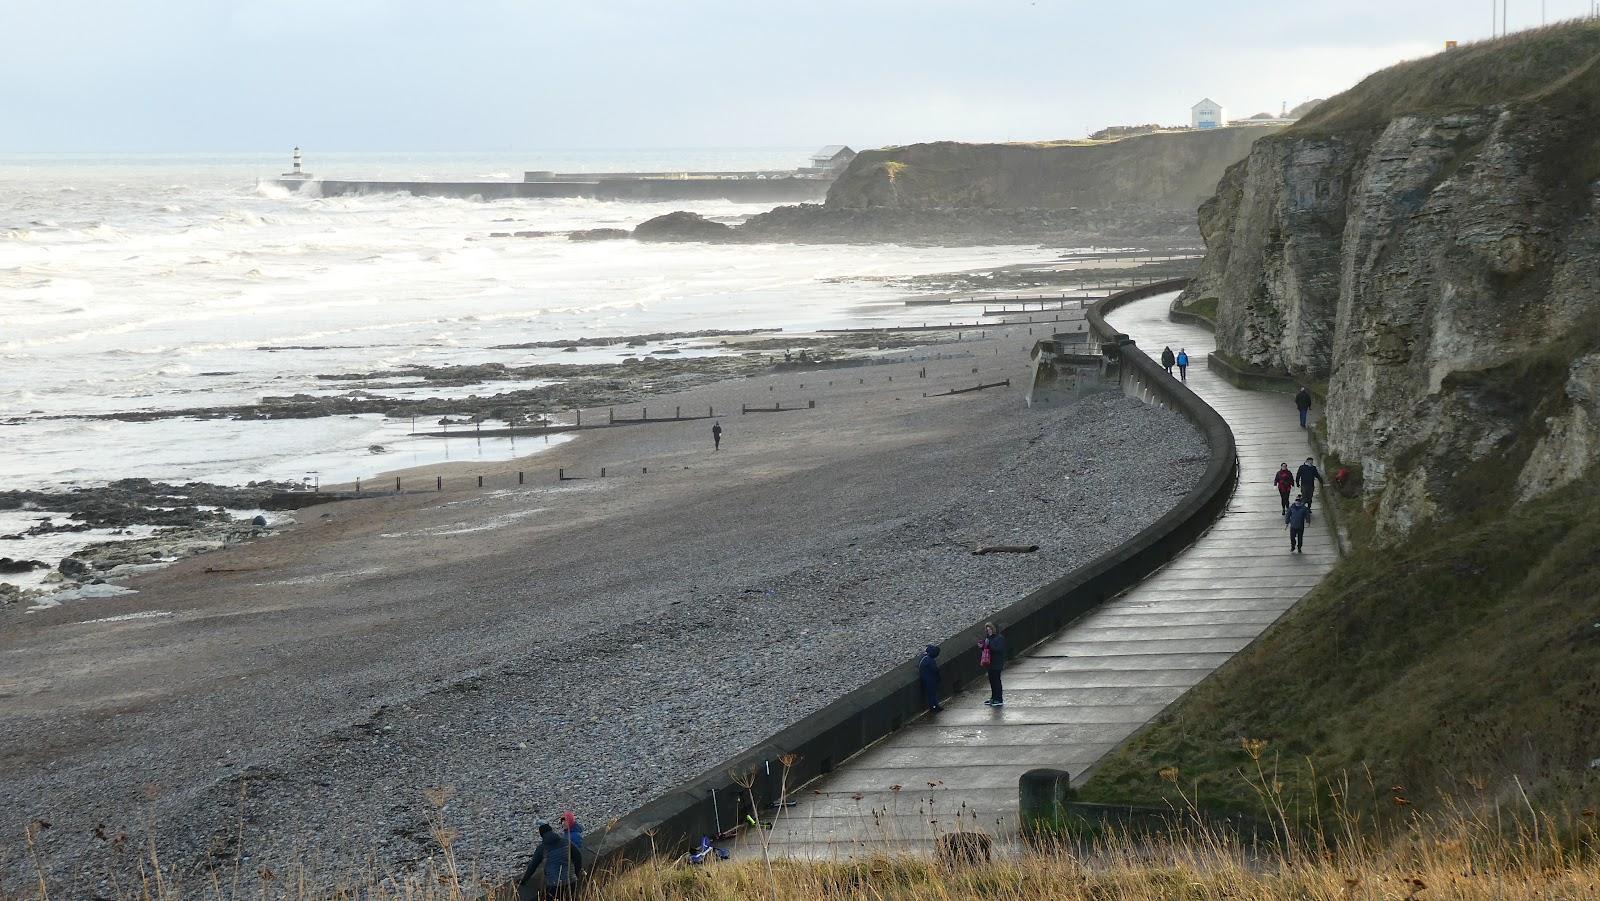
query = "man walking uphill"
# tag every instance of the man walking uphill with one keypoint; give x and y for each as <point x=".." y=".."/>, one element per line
<point x="1307" y="478"/>
<point x="1183" y="364"/>
<point x="1167" y="359"/>
<point x="1284" y="482"/>
<point x="1302" y="402"/>
<point x="1296" y="518"/>
<point x="716" y="436"/>
<point x="992" y="657"/>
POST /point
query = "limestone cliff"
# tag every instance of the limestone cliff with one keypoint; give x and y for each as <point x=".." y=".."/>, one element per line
<point x="1429" y="244"/>
<point x="1171" y="170"/>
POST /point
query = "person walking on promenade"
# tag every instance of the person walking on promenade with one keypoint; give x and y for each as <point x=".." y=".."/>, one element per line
<point x="716" y="436"/>
<point x="992" y="657"/>
<point x="1302" y="402"/>
<point x="1167" y="359"/>
<point x="928" y="670"/>
<point x="560" y="862"/>
<point x="1306" y="478"/>
<point x="1183" y="364"/>
<point x="1284" y="481"/>
<point x="1296" y="518"/>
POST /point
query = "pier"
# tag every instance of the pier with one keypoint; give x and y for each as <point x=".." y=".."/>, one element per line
<point x="804" y="184"/>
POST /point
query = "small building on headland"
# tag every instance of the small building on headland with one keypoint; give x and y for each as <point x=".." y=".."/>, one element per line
<point x="830" y="160"/>
<point x="1207" y="113"/>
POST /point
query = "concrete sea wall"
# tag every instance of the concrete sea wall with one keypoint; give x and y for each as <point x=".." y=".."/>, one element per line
<point x="820" y="742"/>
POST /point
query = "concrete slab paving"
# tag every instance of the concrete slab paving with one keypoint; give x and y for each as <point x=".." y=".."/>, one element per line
<point x="1073" y="698"/>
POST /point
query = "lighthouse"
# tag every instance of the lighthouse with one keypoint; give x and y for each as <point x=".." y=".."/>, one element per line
<point x="297" y="172"/>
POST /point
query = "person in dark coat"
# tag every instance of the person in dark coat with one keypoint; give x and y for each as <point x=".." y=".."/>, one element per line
<point x="1302" y="402"/>
<point x="993" y="645"/>
<point x="716" y="436"/>
<point x="1306" y="479"/>
<point x="1284" y="482"/>
<point x="1183" y="364"/>
<point x="560" y="862"/>
<point x="1296" y="518"/>
<point x="1167" y="359"/>
<point x="928" y="669"/>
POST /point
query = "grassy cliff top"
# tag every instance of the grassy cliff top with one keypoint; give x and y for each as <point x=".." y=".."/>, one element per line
<point x="1537" y="65"/>
<point x="1457" y="665"/>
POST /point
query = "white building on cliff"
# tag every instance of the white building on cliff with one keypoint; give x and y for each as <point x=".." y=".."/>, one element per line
<point x="1207" y="113"/>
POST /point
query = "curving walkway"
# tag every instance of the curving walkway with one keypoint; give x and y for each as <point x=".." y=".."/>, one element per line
<point x="1075" y="697"/>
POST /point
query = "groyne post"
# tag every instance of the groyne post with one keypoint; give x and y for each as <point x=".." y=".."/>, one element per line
<point x="438" y="483"/>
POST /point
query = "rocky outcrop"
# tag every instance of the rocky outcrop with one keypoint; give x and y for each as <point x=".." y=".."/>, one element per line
<point x="1429" y="244"/>
<point x="1168" y="170"/>
<point x="1141" y="189"/>
<point x="682" y="226"/>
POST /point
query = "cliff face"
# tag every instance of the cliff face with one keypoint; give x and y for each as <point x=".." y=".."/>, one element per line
<point x="1429" y="243"/>
<point x="1169" y="170"/>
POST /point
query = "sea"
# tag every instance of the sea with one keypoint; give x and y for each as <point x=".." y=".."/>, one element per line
<point x="180" y="281"/>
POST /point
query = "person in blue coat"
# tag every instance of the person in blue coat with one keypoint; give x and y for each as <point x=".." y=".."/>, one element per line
<point x="928" y="669"/>
<point x="1183" y="364"/>
<point x="1296" y="517"/>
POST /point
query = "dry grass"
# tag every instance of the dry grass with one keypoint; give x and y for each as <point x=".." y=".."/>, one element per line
<point x="1467" y="854"/>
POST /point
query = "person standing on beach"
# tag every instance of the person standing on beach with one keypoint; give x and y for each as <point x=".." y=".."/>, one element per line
<point x="716" y="436"/>
<point x="1284" y="481"/>
<point x="1183" y="364"/>
<point x="1307" y="477"/>
<point x="1167" y="359"/>
<point x="992" y="657"/>
<point x="1296" y="518"/>
<point x="1302" y="402"/>
<point x="928" y="671"/>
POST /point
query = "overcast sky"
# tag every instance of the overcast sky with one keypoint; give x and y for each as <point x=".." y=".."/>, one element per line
<point x="369" y="75"/>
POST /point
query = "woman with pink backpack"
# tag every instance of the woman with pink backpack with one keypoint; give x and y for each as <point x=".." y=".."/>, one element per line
<point x="992" y="657"/>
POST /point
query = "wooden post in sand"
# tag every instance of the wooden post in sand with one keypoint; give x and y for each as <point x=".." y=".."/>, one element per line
<point x="396" y="484"/>
<point x="438" y="483"/>
<point x="480" y="481"/>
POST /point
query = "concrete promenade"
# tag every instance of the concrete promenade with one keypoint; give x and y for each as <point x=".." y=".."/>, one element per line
<point x="1075" y="697"/>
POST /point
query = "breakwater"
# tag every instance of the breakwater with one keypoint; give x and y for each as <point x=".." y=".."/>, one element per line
<point x="793" y="189"/>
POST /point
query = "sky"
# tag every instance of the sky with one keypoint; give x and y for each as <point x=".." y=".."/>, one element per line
<point x="110" y="76"/>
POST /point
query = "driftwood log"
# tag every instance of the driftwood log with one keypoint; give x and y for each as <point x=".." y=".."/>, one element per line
<point x="1006" y="549"/>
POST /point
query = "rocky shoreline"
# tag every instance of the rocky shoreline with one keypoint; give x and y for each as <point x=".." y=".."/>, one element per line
<point x="811" y="223"/>
<point x="183" y="520"/>
<point x="575" y="385"/>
